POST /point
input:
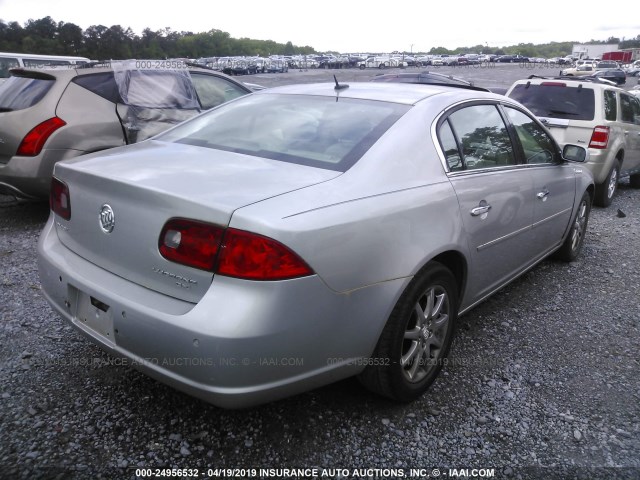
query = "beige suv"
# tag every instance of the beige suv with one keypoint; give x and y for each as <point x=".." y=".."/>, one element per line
<point x="595" y="114"/>
<point x="49" y="115"/>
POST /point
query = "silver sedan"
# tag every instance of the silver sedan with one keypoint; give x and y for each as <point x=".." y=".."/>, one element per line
<point x="304" y="234"/>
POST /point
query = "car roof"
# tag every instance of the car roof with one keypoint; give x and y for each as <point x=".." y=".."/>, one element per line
<point x="404" y="93"/>
<point x="583" y="82"/>
<point x="71" y="71"/>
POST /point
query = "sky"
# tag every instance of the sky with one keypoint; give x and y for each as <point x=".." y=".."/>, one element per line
<point x="353" y="26"/>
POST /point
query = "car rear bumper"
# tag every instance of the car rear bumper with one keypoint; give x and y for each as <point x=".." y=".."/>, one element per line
<point x="243" y="344"/>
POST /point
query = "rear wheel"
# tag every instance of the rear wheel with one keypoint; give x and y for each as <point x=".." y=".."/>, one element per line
<point x="573" y="244"/>
<point x="417" y="337"/>
<point x="607" y="189"/>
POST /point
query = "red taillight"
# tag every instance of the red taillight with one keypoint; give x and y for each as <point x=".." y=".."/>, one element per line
<point x="33" y="141"/>
<point x="191" y="243"/>
<point x="254" y="257"/>
<point x="59" y="199"/>
<point x="599" y="137"/>
<point x="233" y="253"/>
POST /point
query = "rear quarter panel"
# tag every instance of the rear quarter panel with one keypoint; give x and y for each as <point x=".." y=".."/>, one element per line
<point x="92" y="122"/>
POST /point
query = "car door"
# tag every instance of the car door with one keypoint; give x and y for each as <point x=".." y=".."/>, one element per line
<point x="553" y="181"/>
<point x="494" y="195"/>
<point x="630" y="122"/>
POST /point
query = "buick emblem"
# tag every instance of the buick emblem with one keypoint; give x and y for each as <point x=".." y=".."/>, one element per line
<point x="107" y="218"/>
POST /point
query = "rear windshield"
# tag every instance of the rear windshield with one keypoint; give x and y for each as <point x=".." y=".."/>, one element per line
<point x="556" y="100"/>
<point x="325" y="132"/>
<point x="18" y="93"/>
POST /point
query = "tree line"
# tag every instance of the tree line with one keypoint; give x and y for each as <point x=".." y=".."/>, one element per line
<point x="98" y="42"/>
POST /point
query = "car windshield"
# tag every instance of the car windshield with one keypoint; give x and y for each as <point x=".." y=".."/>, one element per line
<point x="556" y="100"/>
<point x="325" y="132"/>
<point x="18" y="93"/>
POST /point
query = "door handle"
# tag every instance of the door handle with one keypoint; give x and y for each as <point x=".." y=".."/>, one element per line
<point x="480" y="210"/>
<point x="543" y="194"/>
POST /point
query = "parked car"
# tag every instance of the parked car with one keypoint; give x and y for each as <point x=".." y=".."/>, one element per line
<point x="617" y="76"/>
<point x="593" y="113"/>
<point x="51" y="115"/>
<point x="26" y="60"/>
<point x="512" y="59"/>
<point x="430" y="78"/>
<point x="304" y="234"/>
<point x="381" y="62"/>
<point x="607" y="65"/>
<point x="278" y="66"/>
<point x="581" y="70"/>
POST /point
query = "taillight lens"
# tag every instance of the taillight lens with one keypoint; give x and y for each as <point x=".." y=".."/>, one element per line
<point x="191" y="243"/>
<point x="230" y="252"/>
<point x="33" y="141"/>
<point x="254" y="257"/>
<point x="59" y="199"/>
<point x="599" y="137"/>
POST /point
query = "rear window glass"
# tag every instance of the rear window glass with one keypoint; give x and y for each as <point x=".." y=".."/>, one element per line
<point x="18" y="93"/>
<point x="610" y="105"/>
<point x="556" y="100"/>
<point x="102" y="84"/>
<point x="325" y="132"/>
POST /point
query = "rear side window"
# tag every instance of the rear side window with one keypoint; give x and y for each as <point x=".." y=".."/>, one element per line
<point x="610" y="106"/>
<point x="102" y="84"/>
<point x="18" y="93"/>
<point x="5" y="64"/>
<point x="450" y="147"/>
<point x="556" y="100"/>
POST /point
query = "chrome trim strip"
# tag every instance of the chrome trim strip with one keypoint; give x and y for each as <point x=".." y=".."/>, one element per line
<point x="552" y="217"/>
<point x="505" y="237"/>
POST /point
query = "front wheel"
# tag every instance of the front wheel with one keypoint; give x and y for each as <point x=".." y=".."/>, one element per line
<point x="415" y="342"/>
<point x="570" y="249"/>
<point x="607" y="189"/>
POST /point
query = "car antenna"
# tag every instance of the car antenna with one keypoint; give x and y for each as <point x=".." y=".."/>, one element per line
<point x="339" y="86"/>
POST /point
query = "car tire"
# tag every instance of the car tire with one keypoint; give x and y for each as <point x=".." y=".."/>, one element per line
<point x="634" y="180"/>
<point x="570" y="249"/>
<point x="362" y="67"/>
<point x="419" y="64"/>
<point x="413" y="345"/>
<point x="607" y="189"/>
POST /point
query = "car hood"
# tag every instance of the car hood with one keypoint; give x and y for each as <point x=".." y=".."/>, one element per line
<point x="147" y="184"/>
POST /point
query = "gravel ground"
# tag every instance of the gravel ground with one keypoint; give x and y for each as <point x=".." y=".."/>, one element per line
<point x="542" y="383"/>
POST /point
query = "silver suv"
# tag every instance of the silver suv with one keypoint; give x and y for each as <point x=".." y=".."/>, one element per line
<point x="594" y="114"/>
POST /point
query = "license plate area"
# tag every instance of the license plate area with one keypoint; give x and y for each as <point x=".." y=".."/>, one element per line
<point x="94" y="314"/>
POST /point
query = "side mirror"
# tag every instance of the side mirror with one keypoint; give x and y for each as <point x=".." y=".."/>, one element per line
<point x="575" y="153"/>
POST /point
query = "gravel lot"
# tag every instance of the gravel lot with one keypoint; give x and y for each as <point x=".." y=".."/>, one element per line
<point x="542" y="383"/>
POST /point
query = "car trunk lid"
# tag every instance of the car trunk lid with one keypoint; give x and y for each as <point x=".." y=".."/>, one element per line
<point x="147" y="184"/>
